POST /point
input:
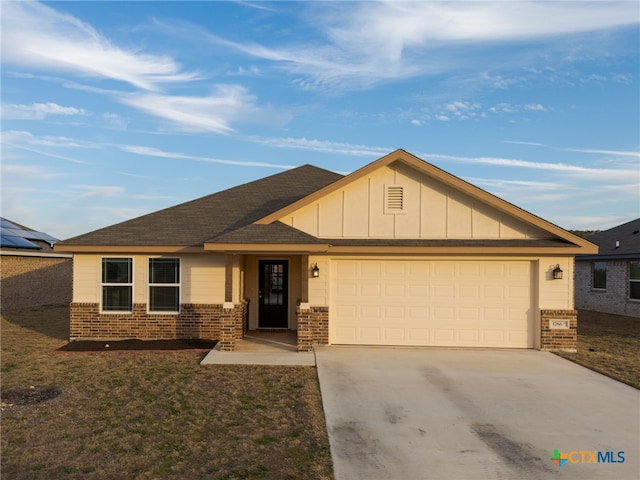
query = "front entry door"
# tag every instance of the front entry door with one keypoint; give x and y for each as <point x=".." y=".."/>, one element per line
<point x="273" y="295"/>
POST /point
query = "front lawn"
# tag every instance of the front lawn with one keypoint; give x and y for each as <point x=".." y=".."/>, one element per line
<point x="153" y="415"/>
<point x="609" y="344"/>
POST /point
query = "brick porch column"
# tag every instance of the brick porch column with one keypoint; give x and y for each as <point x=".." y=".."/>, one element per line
<point x="313" y="327"/>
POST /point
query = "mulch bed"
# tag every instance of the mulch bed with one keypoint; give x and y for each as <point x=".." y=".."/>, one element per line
<point x="136" y="345"/>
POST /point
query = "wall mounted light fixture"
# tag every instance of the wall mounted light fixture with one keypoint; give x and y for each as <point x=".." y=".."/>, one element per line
<point x="557" y="273"/>
<point x="315" y="271"/>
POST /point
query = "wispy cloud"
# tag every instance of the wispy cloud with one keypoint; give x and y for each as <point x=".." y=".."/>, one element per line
<point x="213" y="113"/>
<point x="38" y="111"/>
<point x="26" y="172"/>
<point x="584" y="172"/>
<point x="322" y="146"/>
<point x="47" y="154"/>
<point x="22" y="137"/>
<point x="98" y="191"/>
<point x="595" y="151"/>
<point x="368" y="42"/>
<point x="156" y="152"/>
<point x="36" y="35"/>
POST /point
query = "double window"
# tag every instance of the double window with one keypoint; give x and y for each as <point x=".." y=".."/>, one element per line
<point x="164" y="284"/>
<point x="599" y="275"/>
<point x="117" y="284"/>
<point x="634" y="280"/>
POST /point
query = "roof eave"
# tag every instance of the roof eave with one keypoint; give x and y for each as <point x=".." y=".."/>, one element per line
<point x="128" y="248"/>
<point x="266" y="247"/>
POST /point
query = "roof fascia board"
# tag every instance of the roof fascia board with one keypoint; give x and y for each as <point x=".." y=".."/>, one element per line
<point x="445" y="177"/>
<point x="266" y="247"/>
<point x="462" y="250"/>
<point x="128" y="249"/>
<point x="26" y="253"/>
<point x="622" y="256"/>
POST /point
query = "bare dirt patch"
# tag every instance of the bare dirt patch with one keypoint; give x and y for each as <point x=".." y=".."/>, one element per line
<point x="28" y="395"/>
<point x="609" y="344"/>
<point x="153" y="415"/>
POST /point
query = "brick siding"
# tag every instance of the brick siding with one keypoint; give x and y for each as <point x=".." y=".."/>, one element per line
<point x="615" y="299"/>
<point x="34" y="281"/>
<point x="313" y="328"/>
<point x="194" y="321"/>
<point x="565" y="340"/>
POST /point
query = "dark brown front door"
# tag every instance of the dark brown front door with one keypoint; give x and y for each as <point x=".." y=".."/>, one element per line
<point x="273" y="295"/>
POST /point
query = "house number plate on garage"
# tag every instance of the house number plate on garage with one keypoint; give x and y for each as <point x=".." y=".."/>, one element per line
<point x="559" y="324"/>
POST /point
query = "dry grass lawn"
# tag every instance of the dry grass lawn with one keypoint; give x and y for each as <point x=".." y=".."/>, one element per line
<point x="153" y="415"/>
<point x="609" y="344"/>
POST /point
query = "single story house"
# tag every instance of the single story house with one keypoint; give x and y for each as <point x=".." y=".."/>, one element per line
<point x="609" y="281"/>
<point x="398" y="252"/>
<point x="31" y="273"/>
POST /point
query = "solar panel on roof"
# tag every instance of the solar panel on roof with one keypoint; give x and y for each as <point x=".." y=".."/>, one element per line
<point x="6" y="223"/>
<point x="33" y="235"/>
<point x="17" y="242"/>
<point x="12" y="235"/>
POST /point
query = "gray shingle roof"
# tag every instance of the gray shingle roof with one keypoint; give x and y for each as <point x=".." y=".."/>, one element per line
<point x="201" y="220"/>
<point x="628" y="236"/>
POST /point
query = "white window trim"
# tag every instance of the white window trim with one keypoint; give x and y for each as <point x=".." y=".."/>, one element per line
<point x="100" y="294"/>
<point x="179" y="285"/>
<point x="632" y="280"/>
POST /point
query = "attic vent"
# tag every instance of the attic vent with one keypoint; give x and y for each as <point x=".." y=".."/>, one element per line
<point x="394" y="199"/>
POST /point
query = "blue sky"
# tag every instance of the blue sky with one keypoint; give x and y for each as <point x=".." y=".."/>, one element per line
<point x="111" y="110"/>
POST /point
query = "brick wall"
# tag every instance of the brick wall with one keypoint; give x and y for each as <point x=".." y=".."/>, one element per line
<point x="558" y="339"/>
<point x="615" y="299"/>
<point x="32" y="281"/>
<point x="194" y="321"/>
<point x="313" y="328"/>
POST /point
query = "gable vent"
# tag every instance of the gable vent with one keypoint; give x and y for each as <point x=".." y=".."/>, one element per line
<point x="394" y="199"/>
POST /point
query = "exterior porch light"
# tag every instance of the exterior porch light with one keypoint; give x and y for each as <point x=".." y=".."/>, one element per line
<point x="557" y="273"/>
<point x="315" y="271"/>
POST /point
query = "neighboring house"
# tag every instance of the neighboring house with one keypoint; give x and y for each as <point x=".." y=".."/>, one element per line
<point x="31" y="273"/>
<point x="609" y="282"/>
<point x="396" y="253"/>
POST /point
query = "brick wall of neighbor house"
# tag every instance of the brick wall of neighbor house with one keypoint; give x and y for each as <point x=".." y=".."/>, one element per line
<point x="615" y="299"/>
<point x="558" y="339"/>
<point x="313" y="328"/>
<point x="194" y="321"/>
<point x="30" y="281"/>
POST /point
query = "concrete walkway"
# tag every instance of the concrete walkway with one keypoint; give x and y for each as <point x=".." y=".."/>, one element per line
<point x="405" y="413"/>
<point x="262" y="348"/>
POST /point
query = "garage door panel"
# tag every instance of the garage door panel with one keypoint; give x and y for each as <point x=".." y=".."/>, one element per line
<point x="370" y="290"/>
<point x="469" y="337"/>
<point x="444" y="303"/>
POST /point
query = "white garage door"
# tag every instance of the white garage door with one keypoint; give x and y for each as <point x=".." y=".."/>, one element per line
<point x="432" y="303"/>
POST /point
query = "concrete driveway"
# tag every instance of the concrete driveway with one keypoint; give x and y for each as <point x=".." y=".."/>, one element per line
<point x="403" y="413"/>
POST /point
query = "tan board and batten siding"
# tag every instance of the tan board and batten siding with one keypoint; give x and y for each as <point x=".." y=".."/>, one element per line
<point x="432" y="210"/>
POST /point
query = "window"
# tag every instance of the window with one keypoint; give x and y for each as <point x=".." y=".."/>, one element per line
<point x="164" y="284"/>
<point x="599" y="275"/>
<point x="634" y="280"/>
<point x="117" y="284"/>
